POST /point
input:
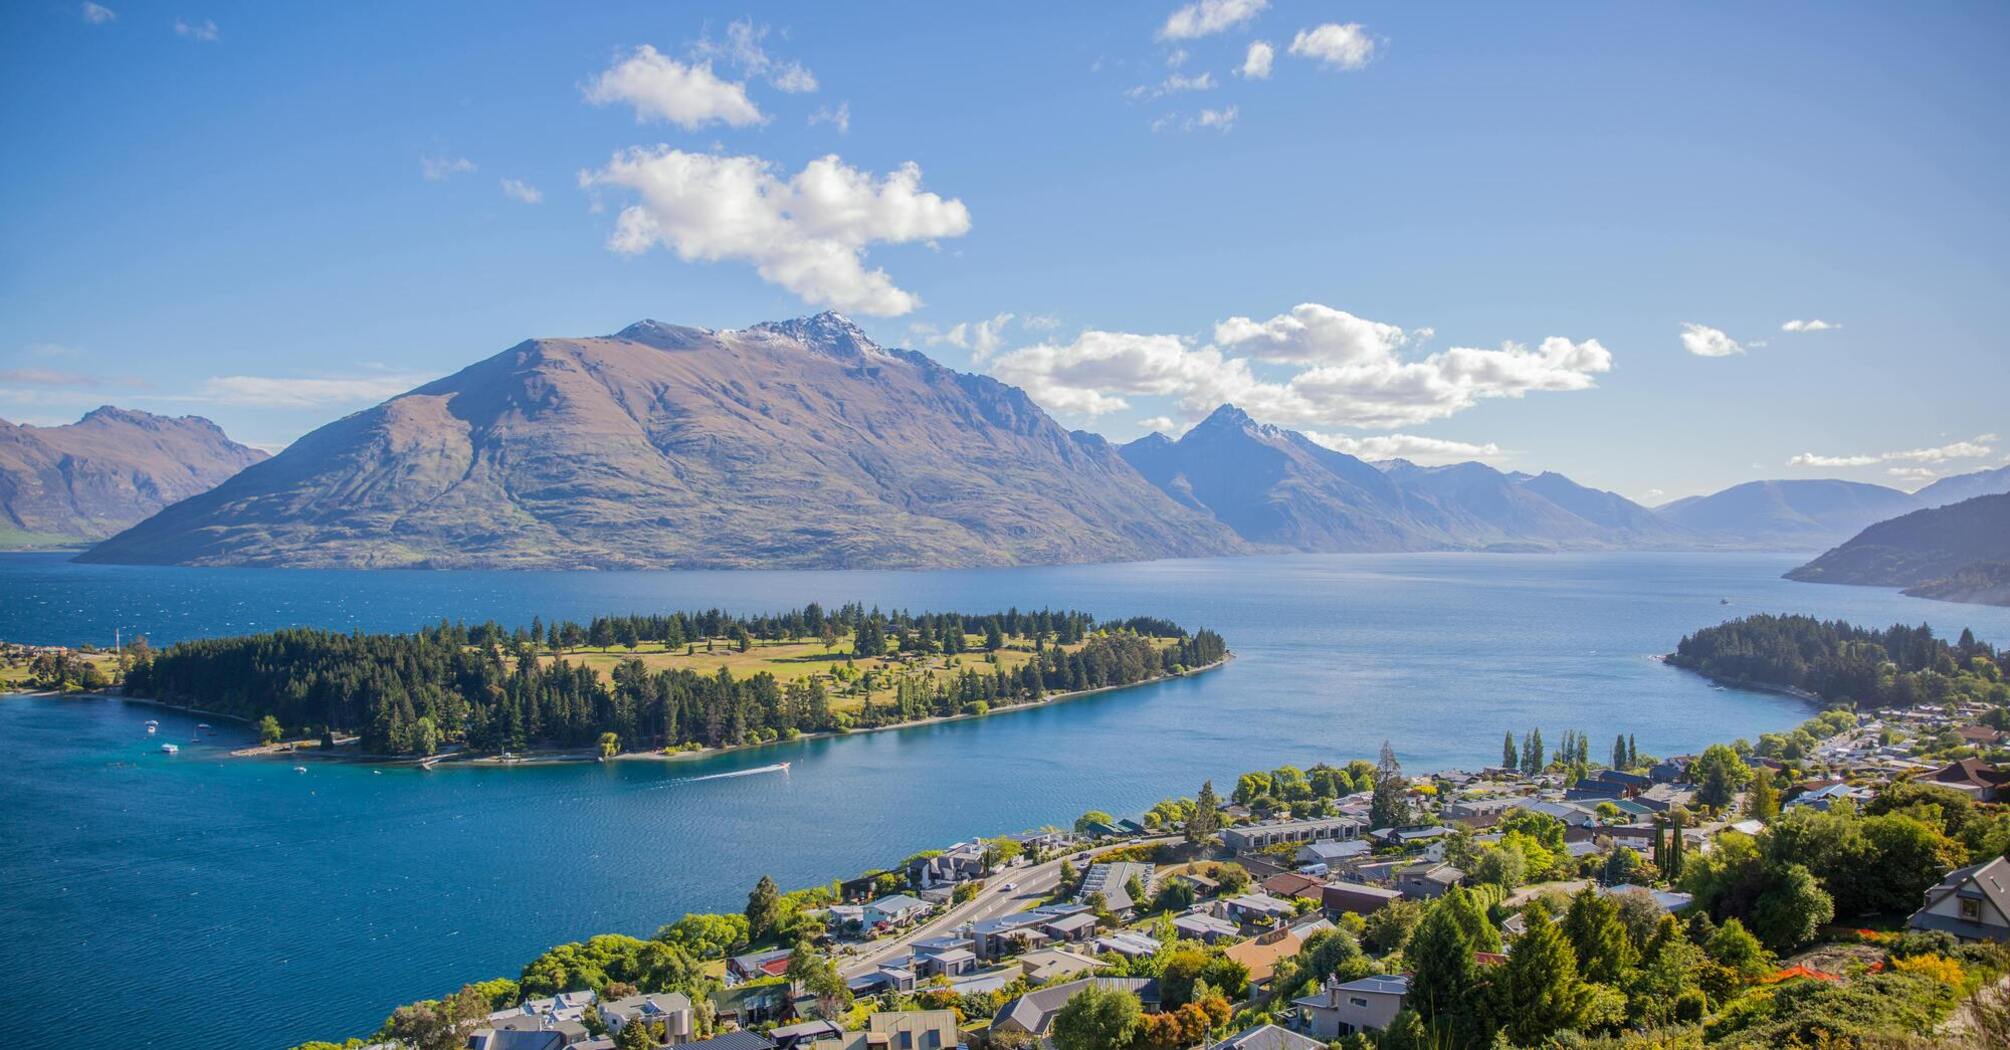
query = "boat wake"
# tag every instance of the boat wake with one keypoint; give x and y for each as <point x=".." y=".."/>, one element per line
<point x="779" y="767"/>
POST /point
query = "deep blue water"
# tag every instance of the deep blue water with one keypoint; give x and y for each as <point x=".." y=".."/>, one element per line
<point x="223" y="903"/>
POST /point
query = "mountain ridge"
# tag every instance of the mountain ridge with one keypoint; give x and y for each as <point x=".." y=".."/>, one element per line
<point x="1958" y="552"/>
<point x="110" y="469"/>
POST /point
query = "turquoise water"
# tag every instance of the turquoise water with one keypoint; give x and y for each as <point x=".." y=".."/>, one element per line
<point x="240" y="904"/>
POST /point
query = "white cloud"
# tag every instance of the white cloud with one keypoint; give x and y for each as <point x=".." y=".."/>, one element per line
<point x="439" y="167"/>
<point x="1173" y="84"/>
<point x="1176" y="58"/>
<point x="1222" y="120"/>
<point x="286" y="392"/>
<point x="1428" y="451"/>
<point x="1705" y="341"/>
<point x="1809" y="326"/>
<point x="808" y="234"/>
<point x="981" y="338"/>
<point x="1161" y="424"/>
<point x="1979" y="447"/>
<point x="1208" y="17"/>
<point x="839" y="118"/>
<point x="99" y="14"/>
<point x="743" y="49"/>
<point x="517" y="189"/>
<point x="662" y="88"/>
<point x="1649" y="496"/>
<point x="1913" y="473"/>
<point x="1339" y="46"/>
<point x="203" y="32"/>
<point x="1040" y="322"/>
<point x="1256" y="64"/>
<point x="1350" y="373"/>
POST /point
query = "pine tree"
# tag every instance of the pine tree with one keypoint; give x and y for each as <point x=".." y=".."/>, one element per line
<point x="1597" y="936"/>
<point x="1764" y="801"/>
<point x="1206" y="819"/>
<point x="764" y="906"/>
<point x="1537" y="992"/>
<point x="1443" y="975"/>
<point x="1510" y="758"/>
<point x="1390" y="807"/>
<point x="1619" y="753"/>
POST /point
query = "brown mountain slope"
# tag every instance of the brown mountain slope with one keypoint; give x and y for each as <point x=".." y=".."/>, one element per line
<point x="789" y="444"/>
<point x="114" y="467"/>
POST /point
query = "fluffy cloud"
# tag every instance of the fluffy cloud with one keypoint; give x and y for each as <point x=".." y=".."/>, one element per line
<point x="807" y="233"/>
<point x="439" y="167"/>
<point x="1222" y="120"/>
<point x="1339" y="46"/>
<point x="99" y="14"/>
<point x="1208" y="17"/>
<point x="519" y="190"/>
<point x="1173" y="84"/>
<point x="661" y="88"/>
<point x="305" y="392"/>
<point x="203" y="32"/>
<point x="1428" y="451"/>
<point x="1256" y="64"/>
<point x="1705" y="341"/>
<point x="1982" y="445"/>
<point x="1809" y="326"/>
<point x="742" y="48"/>
<point x="1161" y="424"/>
<point x="981" y="338"/>
<point x="1349" y="371"/>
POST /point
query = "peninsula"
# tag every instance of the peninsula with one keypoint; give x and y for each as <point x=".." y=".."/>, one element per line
<point x="654" y="684"/>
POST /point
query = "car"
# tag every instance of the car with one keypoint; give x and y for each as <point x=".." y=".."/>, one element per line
<point x="1009" y="887"/>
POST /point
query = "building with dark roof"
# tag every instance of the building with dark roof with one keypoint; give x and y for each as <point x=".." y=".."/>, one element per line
<point x="1972" y="903"/>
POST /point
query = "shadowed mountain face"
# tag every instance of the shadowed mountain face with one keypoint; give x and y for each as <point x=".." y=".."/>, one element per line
<point x="1960" y="552"/>
<point x="113" y="467"/>
<point x="1278" y="488"/>
<point x="1789" y="514"/>
<point x="792" y="444"/>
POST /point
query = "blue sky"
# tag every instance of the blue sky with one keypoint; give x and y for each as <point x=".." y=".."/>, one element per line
<point x="1436" y="230"/>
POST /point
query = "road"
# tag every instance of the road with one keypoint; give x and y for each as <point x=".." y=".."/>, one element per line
<point x="1031" y="885"/>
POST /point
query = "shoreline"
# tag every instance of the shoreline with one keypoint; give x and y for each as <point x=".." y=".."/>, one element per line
<point x="567" y="756"/>
<point x="1756" y="687"/>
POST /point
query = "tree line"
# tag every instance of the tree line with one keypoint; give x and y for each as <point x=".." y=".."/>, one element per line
<point x="488" y="690"/>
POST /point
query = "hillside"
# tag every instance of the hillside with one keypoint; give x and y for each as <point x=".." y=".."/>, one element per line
<point x="1956" y="552"/>
<point x="1964" y="487"/>
<point x="791" y="444"/>
<point x="112" y="468"/>
<point x="1278" y="488"/>
<point x="1788" y="514"/>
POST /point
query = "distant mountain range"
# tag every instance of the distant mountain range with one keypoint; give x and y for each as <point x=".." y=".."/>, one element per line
<point x="86" y="480"/>
<point x="1277" y="488"/>
<point x="799" y="444"/>
<point x="1960" y="552"/>
<point x="790" y="444"/>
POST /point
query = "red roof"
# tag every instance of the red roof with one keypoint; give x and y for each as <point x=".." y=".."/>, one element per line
<point x="1792" y="972"/>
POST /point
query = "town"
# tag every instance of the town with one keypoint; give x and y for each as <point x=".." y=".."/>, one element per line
<point x="1842" y="879"/>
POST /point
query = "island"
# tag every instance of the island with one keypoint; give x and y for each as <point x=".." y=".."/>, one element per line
<point x="656" y="684"/>
<point x="1832" y="662"/>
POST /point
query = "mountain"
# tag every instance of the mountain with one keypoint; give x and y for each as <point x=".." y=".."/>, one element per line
<point x="1964" y="487"/>
<point x="1960" y="552"/>
<point x="89" y="479"/>
<point x="789" y="444"/>
<point x="1278" y="488"/>
<point x="1792" y="514"/>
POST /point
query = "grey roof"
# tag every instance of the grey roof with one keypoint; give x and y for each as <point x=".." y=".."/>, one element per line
<point x="1396" y="985"/>
<point x="1035" y="1010"/>
<point x="518" y="1039"/>
<point x="1989" y="880"/>
<point x="1268" y="1037"/>
<point x="741" y="1040"/>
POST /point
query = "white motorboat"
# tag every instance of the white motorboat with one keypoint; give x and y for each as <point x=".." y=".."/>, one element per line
<point x="169" y="749"/>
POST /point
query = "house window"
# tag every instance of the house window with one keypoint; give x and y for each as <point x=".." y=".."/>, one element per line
<point x="1971" y="910"/>
<point x="1356" y="1000"/>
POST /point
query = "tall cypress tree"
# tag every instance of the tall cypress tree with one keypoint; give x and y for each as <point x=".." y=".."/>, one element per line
<point x="1537" y="992"/>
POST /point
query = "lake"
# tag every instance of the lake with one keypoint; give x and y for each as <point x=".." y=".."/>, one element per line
<point x="237" y="903"/>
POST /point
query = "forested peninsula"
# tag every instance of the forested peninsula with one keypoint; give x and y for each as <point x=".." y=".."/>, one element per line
<point x="1840" y="663"/>
<point x="652" y="683"/>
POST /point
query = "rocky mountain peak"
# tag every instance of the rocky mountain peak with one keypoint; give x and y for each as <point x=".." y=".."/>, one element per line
<point x="830" y="332"/>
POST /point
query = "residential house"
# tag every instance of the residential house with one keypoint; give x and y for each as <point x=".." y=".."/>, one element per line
<point x="1332" y="853"/>
<point x="1479" y="812"/>
<point x="1671" y="770"/>
<point x="1291" y="884"/>
<point x="959" y="863"/>
<point x="748" y="1005"/>
<point x="1033" y="1013"/>
<point x="804" y="1034"/>
<point x="1074" y="928"/>
<point x="755" y="965"/>
<point x="1410" y="835"/>
<point x="1670" y="901"/>
<point x="1127" y="943"/>
<point x="1820" y="799"/>
<point x="1428" y="880"/>
<point x="1202" y="885"/>
<point x="1027" y="930"/>
<point x="1974" y="778"/>
<point x="1200" y="926"/>
<point x="1112" y="879"/>
<point x="671" y="1009"/>
<point x="1596" y="790"/>
<point x="1979" y="736"/>
<point x="1050" y="964"/>
<point x="1257" y="908"/>
<point x="1268" y="1037"/>
<point x="1342" y="897"/>
<point x="1573" y="816"/>
<point x="1633" y="782"/>
<point x="1662" y="797"/>
<point x="734" y="1041"/>
<point x="522" y="1039"/>
<point x="901" y="1030"/>
<point x="1247" y="837"/>
<point x="1972" y="903"/>
<point x="1368" y="1004"/>
<point x="1261" y="954"/>
<point x="943" y="962"/>
<point x="895" y="910"/>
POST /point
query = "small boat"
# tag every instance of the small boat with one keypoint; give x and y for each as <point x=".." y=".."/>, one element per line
<point x="1723" y="601"/>
<point x="300" y="769"/>
<point x="169" y="749"/>
<point x="785" y="767"/>
<point x="429" y="763"/>
<point x="152" y="728"/>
